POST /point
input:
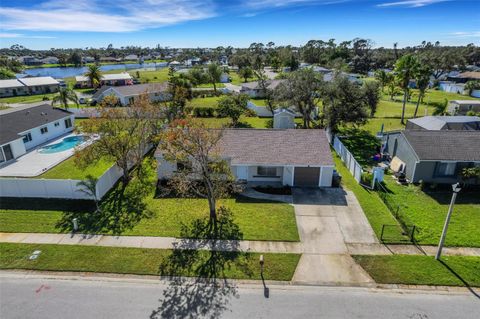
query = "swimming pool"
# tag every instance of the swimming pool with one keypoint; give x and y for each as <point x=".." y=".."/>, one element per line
<point x="66" y="144"/>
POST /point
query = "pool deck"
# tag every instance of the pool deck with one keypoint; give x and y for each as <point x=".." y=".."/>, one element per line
<point x="34" y="163"/>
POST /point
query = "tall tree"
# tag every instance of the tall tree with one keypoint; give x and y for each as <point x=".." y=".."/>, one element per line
<point x="405" y="70"/>
<point x="382" y="77"/>
<point x="204" y="173"/>
<point x="214" y="73"/>
<point x="245" y="73"/>
<point x="263" y="82"/>
<point x="180" y="92"/>
<point x="94" y="75"/>
<point x="301" y="90"/>
<point x="422" y="79"/>
<point x="371" y="93"/>
<point x="65" y="95"/>
<point x="233" y="106"/>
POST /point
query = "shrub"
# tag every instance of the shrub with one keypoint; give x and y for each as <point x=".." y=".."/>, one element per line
<point x="45" y="98"/>
<point x="203" y="111"/>
<point x="366" y="178"/>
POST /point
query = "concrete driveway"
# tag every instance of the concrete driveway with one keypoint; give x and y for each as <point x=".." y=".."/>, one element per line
<point x="328" y="220"/>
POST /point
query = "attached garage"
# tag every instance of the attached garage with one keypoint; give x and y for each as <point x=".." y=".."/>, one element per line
<point x="306" y="176"/>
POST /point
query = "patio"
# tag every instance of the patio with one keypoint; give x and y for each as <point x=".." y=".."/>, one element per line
<point x="34" y="163"/>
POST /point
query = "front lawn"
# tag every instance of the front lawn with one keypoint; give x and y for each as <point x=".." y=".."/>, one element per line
<point x="27" y="98"/>
<point x="422" y="270"/>
<point x="68" y="170"/>
<point x="257" y="220"/>
<point x="210" y="101"/>
<point x="427" y="210"/>
<point x="146" y="261"/>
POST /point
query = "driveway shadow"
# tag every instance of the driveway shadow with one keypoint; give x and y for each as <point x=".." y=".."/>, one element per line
<point x="207" y="292"/>
<point x="319" y="196"/>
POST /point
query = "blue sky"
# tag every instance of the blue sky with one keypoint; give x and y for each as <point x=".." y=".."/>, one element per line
<point x="43" y="24"/>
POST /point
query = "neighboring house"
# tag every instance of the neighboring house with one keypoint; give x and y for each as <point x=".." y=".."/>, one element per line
<point x="12" y="88"/>
<point x="127" y="94"/>
<point x="271" y="157"/>
<point x="29" y="60"/>
<point x="432" y="123"/>
<point x="465" y="77"/>
<point x="88" y="59"/>
<point x="451" y="87"/>
<point x="433" y="156"/>
<point x="354" y="78"/>
<point x="254" y="90"/>
<point x="82" y="81"/>
<point x="41" y="84"/>
<point x="462" y="107"/>
<point x="283" y="118"/>
<point x="109" y="59"/>
<point x="50" y="60"/>
<point x="23" y="128"/>
<point x="131" y="57"/>
<point x="224" y="78"/>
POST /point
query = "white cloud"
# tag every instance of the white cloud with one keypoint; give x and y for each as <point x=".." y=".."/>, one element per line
<point x="410" y="3"/>
<point x="258" y="4"/>
<point x="5" y="35"/>
<point x="466" y="34"/>
<point x="104" y="16"/>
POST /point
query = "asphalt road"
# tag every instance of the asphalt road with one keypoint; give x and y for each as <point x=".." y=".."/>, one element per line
<point x="55" y="298"/>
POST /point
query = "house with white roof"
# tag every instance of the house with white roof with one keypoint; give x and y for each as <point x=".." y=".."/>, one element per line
<point x="82" y="81"/>
<point x="12" y="88"/>
<point x="41" y="84"/>
<point x="127" y="94"/>
<point x="23" y="128"/>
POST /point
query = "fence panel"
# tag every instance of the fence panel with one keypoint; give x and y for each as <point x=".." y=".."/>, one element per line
<point x="348" y="159"/>
<point x="41" y="188"/>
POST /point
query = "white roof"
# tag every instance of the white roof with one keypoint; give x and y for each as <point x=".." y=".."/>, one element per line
<point x="42" y="80"/>
<point x="81" y="78"/>
<point x="14" y="83"/>
<point x="466" y="102"/>
<point x="117" y="76"/>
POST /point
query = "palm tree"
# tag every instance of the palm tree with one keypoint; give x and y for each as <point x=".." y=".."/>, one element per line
<point x="423" y="80"/>
<point x="94" y="75"/>
<point x="214" y="73"/>
<point x="64" y="95"/>
<point x="405" y="70"/>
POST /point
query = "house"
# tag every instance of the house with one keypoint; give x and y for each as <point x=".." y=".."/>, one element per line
<point x="109" y="59"/>
<point x="23" y="128"/>
<point x="123" y="78"/>
<point x="50" y="60"/>
<point x="283" y="118"/>
<point x="41" y="84"/>
<point x="88" y="59"/>
<point x="462" y="107"/>
<point x="433" y="156"/>
<point x="451" y="87"/>
<point x="12" y="88"/>
<point x="254" y="90"/>
<point x="465" y="77"/>
<point x="131" y="57"/>
<point x="29" y="60"/>
<point x="271" y="157"/>
<point x="354" y="78"/>
<point x="127" y="94"/>
<point x="432" y="123"/>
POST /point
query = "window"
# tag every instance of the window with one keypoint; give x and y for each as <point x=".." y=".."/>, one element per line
<point x="27" y="138"/>
<point x="56" y="124"/>
<point x="68" y="123"/>
<point x="445" y="169"/>
<point x="267" y="171"/>
<point x="44" y="130"/>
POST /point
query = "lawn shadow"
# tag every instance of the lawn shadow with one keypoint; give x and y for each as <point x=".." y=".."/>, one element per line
<point x="456" y="274"/>
<point x="443" y="197"/>
<point x="120" y="210"/>
<point x="362" y="144"/>
<point x="208" y="292"/>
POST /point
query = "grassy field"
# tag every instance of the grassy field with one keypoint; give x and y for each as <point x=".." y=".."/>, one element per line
<point x="27" y="98"/>
<point x="151" y="76"/>
<point x="422" y="270"/>
<point x="211" y="101"/>
<point x="236" y="80"/>
<point x="68" y="170"/>
<point x="165" y="217"/>
<point x="146" y="261"/>
<point x="427" y="210"/>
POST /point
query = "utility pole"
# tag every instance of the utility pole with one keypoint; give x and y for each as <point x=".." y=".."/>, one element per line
<point x="456" y="190"/>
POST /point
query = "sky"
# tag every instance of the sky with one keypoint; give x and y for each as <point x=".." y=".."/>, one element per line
<point x="44" y="24"/>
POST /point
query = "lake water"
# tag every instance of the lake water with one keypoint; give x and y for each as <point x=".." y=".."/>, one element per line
<point x="60" y="73"/>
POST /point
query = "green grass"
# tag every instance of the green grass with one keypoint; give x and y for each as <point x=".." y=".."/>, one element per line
<point x="26" y="98"/>
<point x="211" y="101"/>
<point x="144" y="261"/>
<point x="422" y="270"/>
<point x="373" y="207"/>
<point x="151" y="76"/>
<point x="236" y="80"/>
<point x="257" y="220"/>
<point x="210" y="86"/>
<point x="427" y="210"/>
<point x="68" y="170"/>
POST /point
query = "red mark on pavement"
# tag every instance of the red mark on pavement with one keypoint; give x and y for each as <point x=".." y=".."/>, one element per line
<point x="44" y="287"/>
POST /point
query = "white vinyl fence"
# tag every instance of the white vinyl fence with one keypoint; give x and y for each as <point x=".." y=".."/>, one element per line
<point x="348" y="159"/>
<point x="57" y="188"/>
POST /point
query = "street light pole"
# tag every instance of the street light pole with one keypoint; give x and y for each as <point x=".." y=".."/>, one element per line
<point x="456" y="189"/>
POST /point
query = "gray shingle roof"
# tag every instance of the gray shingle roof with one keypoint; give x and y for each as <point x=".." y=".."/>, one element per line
<point x="137" y="89"/>
<point x="22" y="119"/>
<point x="441" y="122"/>
<point x="276" y="147"/>
<point x="445" y="145"/>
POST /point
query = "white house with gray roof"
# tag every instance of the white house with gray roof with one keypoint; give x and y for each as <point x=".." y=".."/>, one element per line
<point x="470" y="123"/>
<point x="127" y="94"/>
<point x="23" y="128"/>
<point x="462" y="107"/>
<point x="274" y="157"/>
<point x="28" y="85"/>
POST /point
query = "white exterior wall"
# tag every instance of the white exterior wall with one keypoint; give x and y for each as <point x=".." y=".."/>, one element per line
<point x="240" y="172"/>
<point x="18" y="147"/>
<point x="284" y="120"/>
<point x="6" y="92"/>
<point x="53" y="132"/>
<point x="326" y="174"/>
<point x="165" y="169"/>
